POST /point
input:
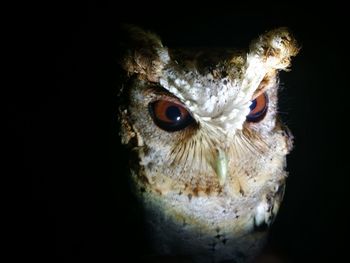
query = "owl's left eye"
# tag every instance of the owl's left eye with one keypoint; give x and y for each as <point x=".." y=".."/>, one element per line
<point x="170" y="116"/>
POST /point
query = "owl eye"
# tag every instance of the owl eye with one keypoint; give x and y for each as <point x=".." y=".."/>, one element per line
<point x="258" y="108"/>
<point x="169" y="116"/>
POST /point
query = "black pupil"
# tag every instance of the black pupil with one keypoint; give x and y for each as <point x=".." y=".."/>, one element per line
<point x="173" y="113"/>
<point x="253" y="105"/>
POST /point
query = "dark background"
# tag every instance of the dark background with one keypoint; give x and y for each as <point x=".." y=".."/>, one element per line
<point x="67" y="142"/>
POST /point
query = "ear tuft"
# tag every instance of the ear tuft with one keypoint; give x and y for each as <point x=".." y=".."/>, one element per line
<point x="276" y="48"/>
<point x="143" y="53"/>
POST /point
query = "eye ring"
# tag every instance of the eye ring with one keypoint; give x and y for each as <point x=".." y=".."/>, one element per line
<point x="170" y="116"/>
<point x="258" y="108"/>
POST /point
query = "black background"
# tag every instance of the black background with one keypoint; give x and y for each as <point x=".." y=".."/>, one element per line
<point x="67" y="142"/>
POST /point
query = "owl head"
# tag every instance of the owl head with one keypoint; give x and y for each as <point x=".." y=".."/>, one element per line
<point x="205" y="121"/>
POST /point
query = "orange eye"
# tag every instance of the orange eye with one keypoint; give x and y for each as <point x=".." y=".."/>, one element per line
<point x="258" y="108"/>
<point x="169" y="116"/>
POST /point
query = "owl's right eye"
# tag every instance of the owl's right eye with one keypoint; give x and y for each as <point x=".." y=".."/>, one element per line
<point x="170" y="116"/>
<point x="258" y="108"/>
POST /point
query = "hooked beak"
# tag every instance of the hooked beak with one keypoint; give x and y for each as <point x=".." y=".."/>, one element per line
<point x="221" y="166"/>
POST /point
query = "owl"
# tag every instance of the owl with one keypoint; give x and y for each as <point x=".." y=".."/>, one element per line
<point x="207" y="149"/>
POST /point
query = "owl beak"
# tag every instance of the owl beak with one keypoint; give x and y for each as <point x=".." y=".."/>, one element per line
<point x="221" y="165"/>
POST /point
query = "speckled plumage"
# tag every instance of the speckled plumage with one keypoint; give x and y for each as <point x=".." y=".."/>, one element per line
<point x="208" y="189"/>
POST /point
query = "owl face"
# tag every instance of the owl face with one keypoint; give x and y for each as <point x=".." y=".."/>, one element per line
<point x="204" y="120"/>
<point x="202" y="124"/>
